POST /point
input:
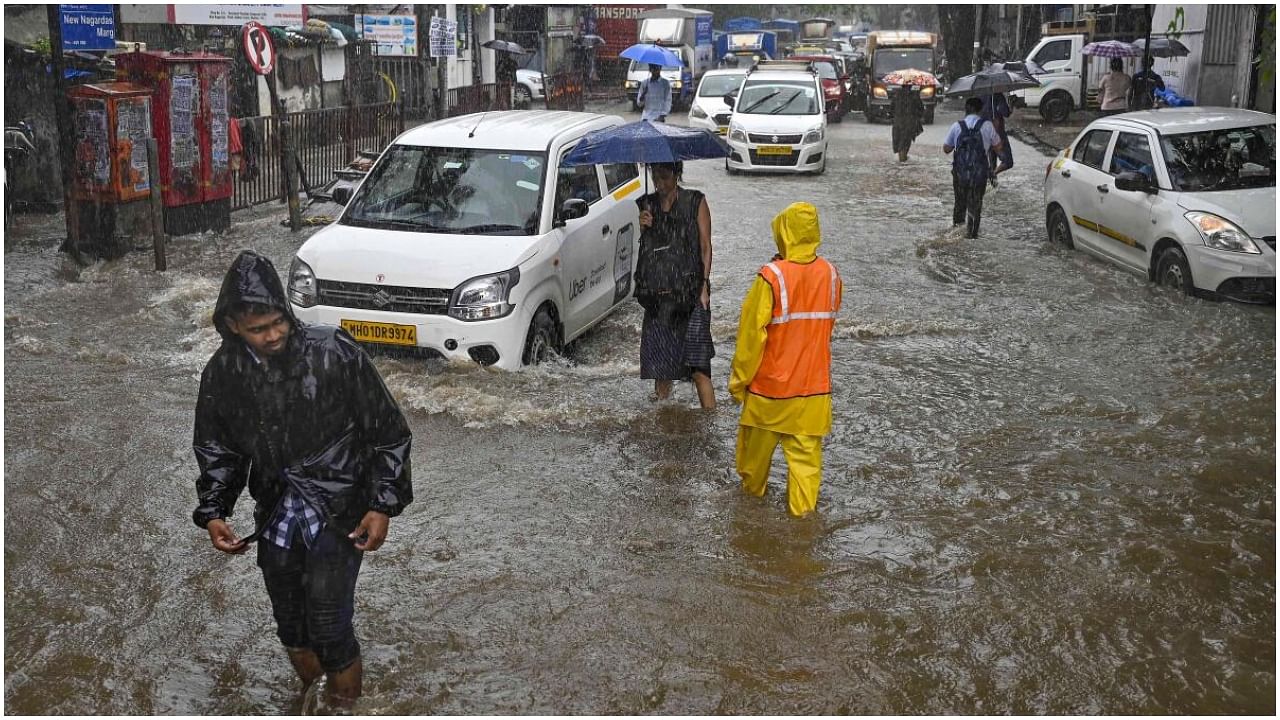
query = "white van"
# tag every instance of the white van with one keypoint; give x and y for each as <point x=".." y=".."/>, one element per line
<point x="470" y="240"/>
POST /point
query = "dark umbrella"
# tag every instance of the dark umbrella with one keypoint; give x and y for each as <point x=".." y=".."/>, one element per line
<point x="646" y="142"/>
<point x="990" y="82"/>
<point x="1027" y="67"/>
<point x="591" y="41"/>
<point x="504" y="46"/>
<point x="1163" y="47"/>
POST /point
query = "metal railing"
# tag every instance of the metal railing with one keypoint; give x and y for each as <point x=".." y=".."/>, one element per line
<point x="324" y="141"/>
<point x="564" y="91"/>
<point x="479" y="98"/>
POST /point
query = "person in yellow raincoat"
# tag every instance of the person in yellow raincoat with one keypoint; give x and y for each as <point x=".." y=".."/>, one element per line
<point x="781" y="373"/>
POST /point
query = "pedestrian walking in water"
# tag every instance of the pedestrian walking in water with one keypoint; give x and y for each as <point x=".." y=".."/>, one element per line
<point x="1113" y="90"/>
<point x="654" y="95"/>
<point x="908" y="109"/>
<point x="970" y="139"/>
<point x="782" y="366"/>
<point x="995" y="109"/>
<point x="673" y="285"/>
<point x="300" y="415"/>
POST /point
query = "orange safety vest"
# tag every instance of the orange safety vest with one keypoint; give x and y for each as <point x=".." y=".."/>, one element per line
<point x="797" y="353"/>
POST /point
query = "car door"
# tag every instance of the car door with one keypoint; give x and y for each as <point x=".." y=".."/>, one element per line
<point x="584" y="260"/>
<point x="1126" y="224"/>
<point x="622" y="185"/>
<point x="1082" y="196"/>
<point x="1055" y="57"/>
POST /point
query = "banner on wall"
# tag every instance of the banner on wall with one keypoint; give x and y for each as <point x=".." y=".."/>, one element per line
<point x="395" y="35"/>
<point x="233" y="14"/>
<point x="443" y="36"/>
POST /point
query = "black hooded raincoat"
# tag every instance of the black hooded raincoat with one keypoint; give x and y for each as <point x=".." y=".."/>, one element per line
<point x="317" y="418"/>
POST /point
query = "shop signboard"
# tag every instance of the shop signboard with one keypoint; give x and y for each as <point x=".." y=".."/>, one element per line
<point x="88" y="27"/>
<point x="236" y="14"/>
<point x="394" y="35"/>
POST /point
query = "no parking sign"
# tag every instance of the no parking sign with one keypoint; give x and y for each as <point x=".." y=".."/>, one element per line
<point x="258" y="48"/>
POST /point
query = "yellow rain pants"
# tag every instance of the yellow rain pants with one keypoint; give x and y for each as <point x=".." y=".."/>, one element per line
<point x="804" y="465"/>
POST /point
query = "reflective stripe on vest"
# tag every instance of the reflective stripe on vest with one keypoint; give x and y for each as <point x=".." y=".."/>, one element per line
<point x="797" y="355"/>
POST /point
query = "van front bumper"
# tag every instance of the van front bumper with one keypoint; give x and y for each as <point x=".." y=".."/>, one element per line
<point x="454" y="340"/>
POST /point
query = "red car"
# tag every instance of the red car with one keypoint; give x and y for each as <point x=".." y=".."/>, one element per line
<point x="833" y="89"/>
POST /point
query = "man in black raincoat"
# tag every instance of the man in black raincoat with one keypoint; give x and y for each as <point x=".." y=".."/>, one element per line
<point x="908" y="109"/>
<point x="300" y="415"/>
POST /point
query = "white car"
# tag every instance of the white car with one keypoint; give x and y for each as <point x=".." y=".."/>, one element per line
<point x="1184" y="196"/>
<point x="470" y="240"/>
<point x="709" y="110"/>
<point x="528" y="87"/>
<point x="779" y="123"/>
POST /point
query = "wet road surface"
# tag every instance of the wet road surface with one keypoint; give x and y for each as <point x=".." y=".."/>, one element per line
<point x="1049" y="489"/>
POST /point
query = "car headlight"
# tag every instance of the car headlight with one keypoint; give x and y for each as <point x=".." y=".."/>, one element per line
<point x="697" y="112"/>
<point x="631" y="84"/>
<point x="484" y="298"/>
<point x="536" y="80"/>
<point x="676" y="85"/>
<point x="1221" y="234"/>
<point x="302" y="284"/>
<point x="926" y="91"/>
<point x="813" y="136"/>
<point x="736" y="133"/>
<point x="879" y="92"/>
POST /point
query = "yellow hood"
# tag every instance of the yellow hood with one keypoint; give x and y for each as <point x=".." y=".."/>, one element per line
<point x="796" y="232"/>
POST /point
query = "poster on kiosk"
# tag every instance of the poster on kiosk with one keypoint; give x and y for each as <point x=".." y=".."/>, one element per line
<point x="189" y="114"/>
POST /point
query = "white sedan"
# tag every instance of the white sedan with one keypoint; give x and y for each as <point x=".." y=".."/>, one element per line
<point x="1184" y="196"/>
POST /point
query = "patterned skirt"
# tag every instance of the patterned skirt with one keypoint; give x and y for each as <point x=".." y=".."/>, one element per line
<point x="672" y="351"/>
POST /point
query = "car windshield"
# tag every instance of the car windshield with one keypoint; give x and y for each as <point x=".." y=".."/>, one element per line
<point x="778" y="97"/>
<point x="452" y="190"/>
<point x="718" y="85"/>
<point x="826" y="70"/>
<point x="1234" y="159"/>
<point x="889" y="60"/>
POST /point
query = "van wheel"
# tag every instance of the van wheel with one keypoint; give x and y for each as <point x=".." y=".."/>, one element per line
<point x="541" y="342"/>
<point x="1173" y="271"/>
<point x="1059" y="229"/>
<point x="1056" y="108"/>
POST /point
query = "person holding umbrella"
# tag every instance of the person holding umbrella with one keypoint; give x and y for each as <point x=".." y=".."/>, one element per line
<point x="1113" y="90"/>
<point x="970" y="139"/>
<point x="654" y="96"/>
<point x="1142" y="93"/>
<point x="995" y="109"/>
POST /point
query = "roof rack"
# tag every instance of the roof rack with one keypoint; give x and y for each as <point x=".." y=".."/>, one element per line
<point x="786" y="65"/>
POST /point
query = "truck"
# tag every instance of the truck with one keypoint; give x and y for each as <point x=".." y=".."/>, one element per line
<point x="685" y="32"/>
<point x="787" y="31"/>
<point x="742" y="24"/>
<point x="816" y="31"/>
<point x="892" y="50"/>
<point x="617" y="24"/>
<point x="746" y="47"/>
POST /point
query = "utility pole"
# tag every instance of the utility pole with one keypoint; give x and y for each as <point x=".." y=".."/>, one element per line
<point x="66" y="132"/>
<point x="977" y="37"/>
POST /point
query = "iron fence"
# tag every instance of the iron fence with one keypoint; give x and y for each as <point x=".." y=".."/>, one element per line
<point x="564" y="91"/>
<point x="324" y="141"/>
<point x="479" y="98"/>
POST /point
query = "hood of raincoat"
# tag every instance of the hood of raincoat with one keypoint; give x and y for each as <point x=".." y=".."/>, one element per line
<point x="796" y="232"/>
<point x="251" y="279"/>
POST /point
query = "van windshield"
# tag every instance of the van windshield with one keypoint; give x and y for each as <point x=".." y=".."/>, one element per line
<point x="778" y="97"/>
<point x="451" y="190"/>
<point x="889" y="60"/>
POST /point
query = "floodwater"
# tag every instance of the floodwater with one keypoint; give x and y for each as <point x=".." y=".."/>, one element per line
<point x="1050" y="489"/>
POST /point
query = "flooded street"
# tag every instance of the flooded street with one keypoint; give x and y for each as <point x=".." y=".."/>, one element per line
<point x="1050" y="488"/>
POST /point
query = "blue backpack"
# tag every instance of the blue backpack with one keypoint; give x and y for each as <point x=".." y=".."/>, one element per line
<point x="971" y="155"/>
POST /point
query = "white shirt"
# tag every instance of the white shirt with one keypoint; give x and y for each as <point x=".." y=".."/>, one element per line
<point x="988" y="132"/>
<point x="655" y="97"/>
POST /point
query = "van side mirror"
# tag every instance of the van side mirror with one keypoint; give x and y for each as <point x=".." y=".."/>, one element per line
<point x="342" y="195"/>
<point x="573" y="209"/>
<point x="1135" y="182"/>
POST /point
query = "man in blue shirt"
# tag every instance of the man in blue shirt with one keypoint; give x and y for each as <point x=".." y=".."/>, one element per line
<point x="970" y="139"/>
<point x="654" y="95"/>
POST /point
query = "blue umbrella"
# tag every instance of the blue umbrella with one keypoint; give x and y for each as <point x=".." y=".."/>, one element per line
<point x="652" y="54"/>
<point x="646" y="142"/>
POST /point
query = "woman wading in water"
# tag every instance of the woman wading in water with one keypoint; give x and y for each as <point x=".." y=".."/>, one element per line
<point x="673" y="285"/>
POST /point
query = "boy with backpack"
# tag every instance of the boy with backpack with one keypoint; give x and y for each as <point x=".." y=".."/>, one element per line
<point x="970" y="139"/>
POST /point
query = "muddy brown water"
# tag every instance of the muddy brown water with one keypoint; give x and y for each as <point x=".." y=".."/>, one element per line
<point x="1050" y="489"/>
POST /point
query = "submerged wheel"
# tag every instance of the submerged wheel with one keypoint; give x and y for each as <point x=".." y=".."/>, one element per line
<point x="524" y="98"/>
<point x="1059" y="228"/>
<point x="541" y="342"/>
<point x="1173" y="271"/>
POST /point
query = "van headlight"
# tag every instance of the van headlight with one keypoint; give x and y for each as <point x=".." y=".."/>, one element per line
<point x="484" y="298"/>
<point x="1221" y="234"/>
<point x="698" y="112"/>
<point x="302" y="284"/>
<point x="880" y="91"/>
<point x="813" y="136"/>
<point x="676" y="85"/>
<point x="926" y="91"/>
<point x="631" y="84"/>
<point x="737" y="133"/>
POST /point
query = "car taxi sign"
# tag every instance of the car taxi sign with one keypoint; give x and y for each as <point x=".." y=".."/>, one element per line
<point x="258" y="48"/>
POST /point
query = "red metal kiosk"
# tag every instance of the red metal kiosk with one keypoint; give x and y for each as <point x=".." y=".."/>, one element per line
<point x="189" y="115"/>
